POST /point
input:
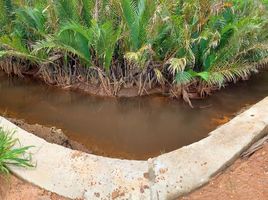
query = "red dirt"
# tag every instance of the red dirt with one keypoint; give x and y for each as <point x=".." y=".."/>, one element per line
<point x="12" y="188"/>
<point x="244" y="180"/>
<point x="52" y="135"/>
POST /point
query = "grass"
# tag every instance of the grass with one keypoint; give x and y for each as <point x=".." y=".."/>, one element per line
<point x="11" y="155"/>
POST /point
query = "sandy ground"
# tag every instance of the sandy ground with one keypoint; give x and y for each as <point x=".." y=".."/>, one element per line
<point x="246" y="179"/>
<point x="13" y="188"/>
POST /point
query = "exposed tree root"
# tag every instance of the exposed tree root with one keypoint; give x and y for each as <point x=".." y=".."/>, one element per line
<point x="94" y="77"/>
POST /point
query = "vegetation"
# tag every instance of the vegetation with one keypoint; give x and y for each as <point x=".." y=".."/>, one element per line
<point x="184" y="47"/>
<point x="9" y="155"/>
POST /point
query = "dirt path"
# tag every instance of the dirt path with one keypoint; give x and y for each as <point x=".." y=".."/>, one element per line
<point x="244" y="180"/>
<point x="12" y="188"/>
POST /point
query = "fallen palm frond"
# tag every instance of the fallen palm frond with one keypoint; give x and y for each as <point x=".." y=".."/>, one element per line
<point x="255" y="147"/>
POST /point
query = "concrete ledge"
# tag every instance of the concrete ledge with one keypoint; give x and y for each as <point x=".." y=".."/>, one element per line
<point x="79" y="175"/>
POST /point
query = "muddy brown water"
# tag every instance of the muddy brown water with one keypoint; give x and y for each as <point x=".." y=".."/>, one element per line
<point x="135" y="128"/>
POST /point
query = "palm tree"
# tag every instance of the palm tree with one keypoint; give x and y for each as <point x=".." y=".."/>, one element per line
<point x="144" y="43"/>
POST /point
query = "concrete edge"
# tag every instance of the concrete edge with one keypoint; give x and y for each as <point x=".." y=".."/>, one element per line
<point x="75" y="174"/>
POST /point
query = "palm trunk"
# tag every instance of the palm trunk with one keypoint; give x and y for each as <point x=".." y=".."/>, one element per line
<point x="96" y="12"/>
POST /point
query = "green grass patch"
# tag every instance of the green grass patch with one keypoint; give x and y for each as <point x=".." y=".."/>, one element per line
<point x="11" y="155"/>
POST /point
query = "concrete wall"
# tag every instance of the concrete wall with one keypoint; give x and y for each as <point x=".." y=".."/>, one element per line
<point x="76" y="174"/>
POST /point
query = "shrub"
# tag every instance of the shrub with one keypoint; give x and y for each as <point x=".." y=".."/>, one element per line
<point x="145" y="43"/>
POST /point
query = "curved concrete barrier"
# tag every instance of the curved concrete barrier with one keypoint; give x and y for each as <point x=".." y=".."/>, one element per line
<point x="79" y="175"/>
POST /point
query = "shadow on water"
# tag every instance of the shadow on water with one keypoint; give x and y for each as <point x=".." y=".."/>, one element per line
<point x="135" y="128"/>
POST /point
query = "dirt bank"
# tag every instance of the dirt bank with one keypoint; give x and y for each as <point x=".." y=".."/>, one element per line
<point x="52" y="135"/>
<point x="57" y="136"/>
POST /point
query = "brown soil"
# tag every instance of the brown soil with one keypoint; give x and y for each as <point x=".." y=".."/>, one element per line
<point x="246" y="179"/>
<point x="12" y="188"/>
<point x="52" y="135"/>
<point x="57" y="136"/>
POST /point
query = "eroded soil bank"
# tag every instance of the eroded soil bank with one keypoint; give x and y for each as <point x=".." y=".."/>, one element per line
<point x="52" y="135"/>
